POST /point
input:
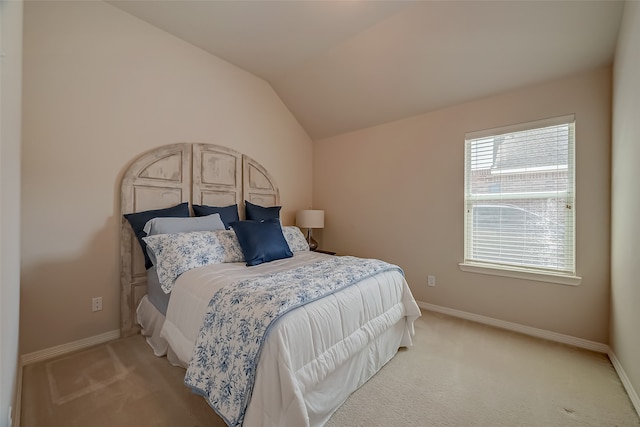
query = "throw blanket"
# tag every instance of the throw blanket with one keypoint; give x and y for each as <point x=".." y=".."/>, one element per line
<point x="237" y="322"/>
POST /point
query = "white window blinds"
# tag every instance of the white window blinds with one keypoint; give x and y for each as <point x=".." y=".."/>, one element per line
<point x="519" y="196"/>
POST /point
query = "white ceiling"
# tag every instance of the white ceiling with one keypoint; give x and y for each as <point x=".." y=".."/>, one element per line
<point x="346" y="65"/>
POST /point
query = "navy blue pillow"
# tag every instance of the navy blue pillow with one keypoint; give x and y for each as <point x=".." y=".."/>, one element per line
<point x="261" y="241"/>
<point x="260" y="213"/>
<point x="228" y="214"/>
<point x="139" y="219"/>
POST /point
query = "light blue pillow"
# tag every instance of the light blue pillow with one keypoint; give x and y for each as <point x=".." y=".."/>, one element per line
<point x="261" y="241"/>
<point x="183" y="225"/>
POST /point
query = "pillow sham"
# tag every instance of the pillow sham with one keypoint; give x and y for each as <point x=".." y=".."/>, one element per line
<point x="229" y="241"/>
<point x="260" y="213"/>
<point x="295" y="238"/>
<point x="176" y="253"/>
<point x="183" y="225"/>
<point x="228" y="214"/>
<point x="261" y="241"/>
<point x="139" y="219"/>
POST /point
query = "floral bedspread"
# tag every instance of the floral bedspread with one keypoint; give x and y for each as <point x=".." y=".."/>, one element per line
<point x="237" y="322"/>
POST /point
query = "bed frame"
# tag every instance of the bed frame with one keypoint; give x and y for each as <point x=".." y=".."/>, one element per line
<point x="201" y="174"/>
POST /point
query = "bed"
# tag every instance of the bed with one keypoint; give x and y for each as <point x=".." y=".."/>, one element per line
<point x="315" y="352"/>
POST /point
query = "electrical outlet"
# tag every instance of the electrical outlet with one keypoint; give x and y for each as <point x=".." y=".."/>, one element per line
<point x="96" y="304"/>
<point x="431" y="280"/>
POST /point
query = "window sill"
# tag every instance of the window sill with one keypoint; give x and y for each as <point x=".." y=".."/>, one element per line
<point x="520" y="274"/>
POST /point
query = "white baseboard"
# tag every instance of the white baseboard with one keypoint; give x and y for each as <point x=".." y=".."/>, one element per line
<point x="527" y="330"/>
<point x="59" y="350"/>
<point x="635" y="400"/>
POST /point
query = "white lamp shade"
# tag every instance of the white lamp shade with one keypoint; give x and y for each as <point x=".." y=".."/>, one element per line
<point x="311" y="218"/>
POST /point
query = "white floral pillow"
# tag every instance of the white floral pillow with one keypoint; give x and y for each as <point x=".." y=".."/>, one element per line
<point x="295" y="239"/>
<point x="176" y="253"/>
<point x="231" y="245"/>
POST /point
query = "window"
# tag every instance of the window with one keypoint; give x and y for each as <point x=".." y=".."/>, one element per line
<point x="519" y="200"/>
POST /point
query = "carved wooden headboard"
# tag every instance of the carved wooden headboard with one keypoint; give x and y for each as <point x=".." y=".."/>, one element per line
<point x="201" y="174"/>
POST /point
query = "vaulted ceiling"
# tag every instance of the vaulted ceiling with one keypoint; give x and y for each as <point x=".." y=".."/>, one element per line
<point x="340" y="66"/>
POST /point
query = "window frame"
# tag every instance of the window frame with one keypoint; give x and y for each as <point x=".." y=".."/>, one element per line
<point x="542" y="274"/>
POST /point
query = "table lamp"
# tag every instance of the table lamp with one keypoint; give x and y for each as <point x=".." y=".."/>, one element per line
<point x="309" y="219"/>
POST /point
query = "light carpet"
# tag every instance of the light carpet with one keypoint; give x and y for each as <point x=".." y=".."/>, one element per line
<point x="462" y="373"/>
<point x="458" y="373"/>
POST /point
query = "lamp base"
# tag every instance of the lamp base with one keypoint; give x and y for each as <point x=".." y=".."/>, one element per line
<point x="313" y="245"/>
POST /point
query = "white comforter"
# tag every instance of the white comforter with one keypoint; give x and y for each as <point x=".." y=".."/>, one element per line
<point x="316" y="355"/>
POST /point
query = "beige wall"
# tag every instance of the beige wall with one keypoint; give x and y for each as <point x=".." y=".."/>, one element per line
<point x="625" y="200"/>
<point x="10" y="99"/>
<point x="100" y="88"/>
<point x="395" y="192"/>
